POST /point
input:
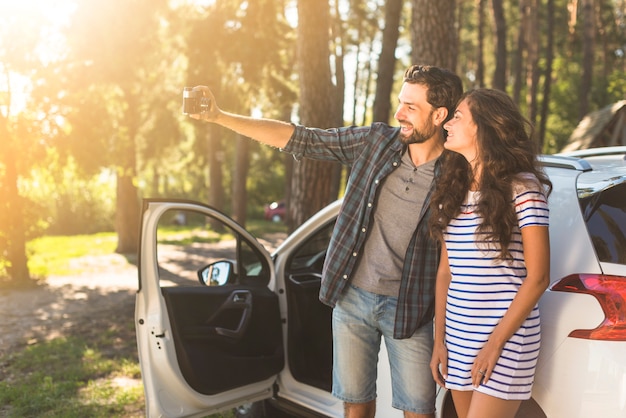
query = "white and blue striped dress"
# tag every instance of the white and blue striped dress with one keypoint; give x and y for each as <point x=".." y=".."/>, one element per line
<point x="481" y="289"/>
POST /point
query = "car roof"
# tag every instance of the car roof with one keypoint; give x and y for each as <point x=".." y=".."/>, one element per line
<point x="607" y="168"/>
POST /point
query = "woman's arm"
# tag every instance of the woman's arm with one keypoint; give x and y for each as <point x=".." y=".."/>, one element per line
<point x="439" y="361"/>
<point x="536" y="245"/>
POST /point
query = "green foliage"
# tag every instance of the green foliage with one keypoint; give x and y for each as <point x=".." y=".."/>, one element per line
<point x="69" y="202"/>
<point x="69" y="377"/>
<point x="616" y="85"/>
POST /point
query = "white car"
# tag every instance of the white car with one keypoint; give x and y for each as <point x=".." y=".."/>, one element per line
<point x="223" y="325"/>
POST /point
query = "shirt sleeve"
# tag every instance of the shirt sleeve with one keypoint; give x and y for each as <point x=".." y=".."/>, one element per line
<point x="343" y="144"/>
<point x="531" y="204"/>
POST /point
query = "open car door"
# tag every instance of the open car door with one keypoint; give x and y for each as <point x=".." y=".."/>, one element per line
<point x="208" y="325"/>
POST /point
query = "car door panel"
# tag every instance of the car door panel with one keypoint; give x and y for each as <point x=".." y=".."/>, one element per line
<point x="310" y="333"/>
<point x="221" y="342"/>
<point x="213" y="346"/>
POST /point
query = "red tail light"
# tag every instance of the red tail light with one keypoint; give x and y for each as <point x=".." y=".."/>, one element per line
<point x="610" y="291"/>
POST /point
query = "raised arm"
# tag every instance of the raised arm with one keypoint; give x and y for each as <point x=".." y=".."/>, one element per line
<point x="267" y="131"/>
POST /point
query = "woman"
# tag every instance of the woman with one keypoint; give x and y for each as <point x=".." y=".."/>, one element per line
<point x="491" y="216"/>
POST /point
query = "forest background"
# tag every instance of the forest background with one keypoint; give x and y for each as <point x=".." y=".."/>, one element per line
<point x="90" y="95"/>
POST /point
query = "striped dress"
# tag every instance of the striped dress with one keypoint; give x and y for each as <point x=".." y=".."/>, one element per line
<point x="481" y="290"/>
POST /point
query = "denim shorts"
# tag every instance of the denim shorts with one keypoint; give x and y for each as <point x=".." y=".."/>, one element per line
<point x="360" y="319"/>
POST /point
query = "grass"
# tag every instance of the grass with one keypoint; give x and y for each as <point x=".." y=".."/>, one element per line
<point x="96" y="373"/>
<point x="73" y="377"/>
<point x="69" y="377"/>
<point x="53" y="255"/>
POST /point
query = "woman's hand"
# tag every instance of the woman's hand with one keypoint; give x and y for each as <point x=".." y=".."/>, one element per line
<point x="484" y="363"/>
<point x="439" y="364"/>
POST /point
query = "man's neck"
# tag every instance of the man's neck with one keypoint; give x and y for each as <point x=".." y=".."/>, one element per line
<point x="426" y="151"/>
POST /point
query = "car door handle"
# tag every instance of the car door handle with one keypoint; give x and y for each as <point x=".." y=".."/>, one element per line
<point x="239" y="300"/>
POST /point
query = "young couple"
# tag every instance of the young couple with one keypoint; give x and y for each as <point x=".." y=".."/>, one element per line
<point x="445" y="215"/>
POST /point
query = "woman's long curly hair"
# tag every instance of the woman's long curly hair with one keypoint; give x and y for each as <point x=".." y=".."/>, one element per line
<point x="506" y="149"/>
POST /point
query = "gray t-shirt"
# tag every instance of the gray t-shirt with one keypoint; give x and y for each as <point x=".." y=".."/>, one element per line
<point x="396" y="214"/>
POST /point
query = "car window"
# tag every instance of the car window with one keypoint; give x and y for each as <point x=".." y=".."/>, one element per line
<point x="310" y="256"/>
<point x="188" y="241"/>
<point x="605" y="216"/>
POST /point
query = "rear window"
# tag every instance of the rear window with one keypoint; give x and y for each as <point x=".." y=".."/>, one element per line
<point x="605" y="216"/>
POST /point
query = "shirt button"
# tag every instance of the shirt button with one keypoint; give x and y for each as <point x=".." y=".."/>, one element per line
<point x="354" y="254"/>
<point x="369" y="205"/>
<point x="395" y="163"/>
<point x="345" y="276"/>
<point x="376" y="181"/>
<point x="362" y="229"/>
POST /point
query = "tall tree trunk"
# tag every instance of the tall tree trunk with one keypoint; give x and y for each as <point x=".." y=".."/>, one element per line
<point x="339" y="53"/>
<point x="127" y="213"/>
<point x="387" y="61"/>
<point x="499" y="74"/>
<point x="588" y="39"/>
<point x="480" y="59"/>
<point x="432" y="41"/>
<point x="357" y="73"/>
<point x="127" y="199"/>
<point x="547" y="84"/>
<point x="518" y="56"/>
<point x="216" y="162"/>
<point x="369" y="71"/>
<point x="15" y="235"/>
<point x="532" y="73"/>
<point x="242" y="165"/>
<point x="340" y="90"/>
<point x="312" y="180"/>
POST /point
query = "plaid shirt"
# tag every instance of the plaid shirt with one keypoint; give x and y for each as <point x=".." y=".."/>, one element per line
<point x="373" y="152"/>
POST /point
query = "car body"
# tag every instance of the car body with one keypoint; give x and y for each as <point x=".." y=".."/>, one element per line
<point x="228" y="324"/>
<point x="275" y="211"/>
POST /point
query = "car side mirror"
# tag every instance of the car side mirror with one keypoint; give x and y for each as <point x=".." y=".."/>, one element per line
<point x="216" y="274"/>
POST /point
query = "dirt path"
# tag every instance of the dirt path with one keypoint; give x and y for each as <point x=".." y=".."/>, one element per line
<point x="101" y="298"/>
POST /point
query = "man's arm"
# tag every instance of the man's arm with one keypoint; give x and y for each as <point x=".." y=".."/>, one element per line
<point x="267" y="131"/>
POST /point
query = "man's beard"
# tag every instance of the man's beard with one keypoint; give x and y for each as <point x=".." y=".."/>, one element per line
<point x="419" y="136"/>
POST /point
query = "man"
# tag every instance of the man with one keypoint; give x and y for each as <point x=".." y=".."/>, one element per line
<point x="379" y="273"/>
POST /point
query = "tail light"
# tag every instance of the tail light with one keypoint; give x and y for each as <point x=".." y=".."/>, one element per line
<point x="610" y="291"/>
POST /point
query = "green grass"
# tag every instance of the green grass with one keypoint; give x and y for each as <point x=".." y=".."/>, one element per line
<point x="53" y="255"/>
<point x="72" y="377"/>
<point x="69" y="377"/>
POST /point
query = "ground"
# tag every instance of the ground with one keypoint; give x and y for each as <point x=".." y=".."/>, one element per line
<point x="100" y="298"/>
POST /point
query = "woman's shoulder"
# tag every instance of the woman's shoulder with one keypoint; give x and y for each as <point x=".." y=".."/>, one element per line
<point x="526" y="182"/>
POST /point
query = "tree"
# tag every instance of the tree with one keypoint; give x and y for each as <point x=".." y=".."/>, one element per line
<point x="112" y="82"/>
<point x="387" y="61"/>
<point x="547" y="84"/>
<point x="532" y="61"/>
<point x="311" y="183"/>
<point x="12" y="228"/>
<point x="432" y="41"/>
<point x="21" y="144"/>
<point x="588" y="36"/>
<point x="480" y="62"/>
<point x="242" y="51"/>
<point x="499" y="72"/>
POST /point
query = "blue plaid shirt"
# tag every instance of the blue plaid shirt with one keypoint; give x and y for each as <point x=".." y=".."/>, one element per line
<point x="373" y="152"/>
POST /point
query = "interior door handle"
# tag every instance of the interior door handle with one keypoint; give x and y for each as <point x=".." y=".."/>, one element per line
<point x="240" y="300"/>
